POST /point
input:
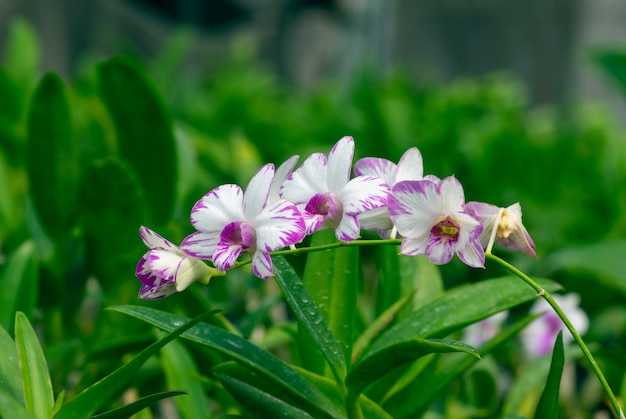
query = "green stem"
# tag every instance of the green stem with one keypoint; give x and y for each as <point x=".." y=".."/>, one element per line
<point x="579" y="340"/>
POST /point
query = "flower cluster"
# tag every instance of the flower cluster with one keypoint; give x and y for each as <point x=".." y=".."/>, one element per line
<point x="280" y="207"/>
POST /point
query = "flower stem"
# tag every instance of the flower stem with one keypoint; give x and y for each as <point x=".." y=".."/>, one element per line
<point x="579" y="340"/>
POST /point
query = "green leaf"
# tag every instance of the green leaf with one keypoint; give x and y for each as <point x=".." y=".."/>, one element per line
<point x="378" y="325"/>
<point x="52" y="157"/>
<point x="309" y="316"/>
<point x="255" y="395"/>
<point x="331" y="278"/>
<point x="94" y="397"/>
<point x="38" y="395"/>
<point x="12" y="408"/>
<point x="19" y="285"/>
<point x="130" y="409"/>
<point x="548" y="406"/>
<point x="371" y="410"/>
<point x="458" y="308"/>
<point x="112" y="209"/>
<point x="10" y="378"/>
<point x="409" y="398"/>
<point x="22" y="52"/>
<point x="181" y="372"/>
<point x="393" y="356"/>
<point x="613" y="62"/>
<point x="261" y="362"/>
<point x="605" y="260"/>
<point x="144" y="131"/>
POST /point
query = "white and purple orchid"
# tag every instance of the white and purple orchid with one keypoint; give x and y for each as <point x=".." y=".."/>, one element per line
<point x="538" y="337"/>
<point x="165" y="269"/>
<point x="230" y="222"/>
<point x="432" y="218"/>
<point x="409" y="167"/>
<point x="328" y="198"/>
<point x="507" y="222"/>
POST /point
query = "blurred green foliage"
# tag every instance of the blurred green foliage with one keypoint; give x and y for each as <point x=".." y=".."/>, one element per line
<point x="84" y="162"/>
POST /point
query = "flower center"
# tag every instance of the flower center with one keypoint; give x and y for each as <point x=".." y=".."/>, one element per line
<point x="505" y="225"/>
<point x="446" y="229"/>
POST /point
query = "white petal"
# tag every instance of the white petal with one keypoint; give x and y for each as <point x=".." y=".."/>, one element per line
<point x="414" y="246"/>
<point x="279" y="225"/>
<point x="308" y="180"/>
<point x="375" y="219"/>
<point x="153" y="240"/>
<point x="164" y="263"/>
<point x="348" y="229"/>
<point x="414" y="207"/>
<point x="363" y="193"/>
<point x="340" y="164"/>
<point x="283" y="171"/>
<point x="410" y="166"/>
<point x="377" y="167"/>
<point x="262" y="265"/>
<point x="452" y="194"/>
<point x="200" y="245"/>
<point x="226" y="255"/>
<point x="257" y="191"/>
<point x="472" y="255"/>
<point x="221" y="206"/>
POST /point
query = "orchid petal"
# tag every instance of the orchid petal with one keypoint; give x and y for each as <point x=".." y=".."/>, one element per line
<point x="143" y="272"/>
<point x="439" y="251"/>
<point x="200" y="245"/>
<point x="157" y="292"/>
<point x="165" y="263"/>
<point x="262" y="264"/>
<point x="309" y="179"/>
<point x="363" y="193"/>
<point x="348" y="229"/>
<point x="283" y="171"/>
<point x="414" y="207"/>
<point x="377" y="167"/>
<point x="375" y="219"/>
<point x="153" y="240"/>
<point x="217" y="208"/>
<point x="452" y="193"/>
<point x="410" y="166"/>
<point x="340" y="164"/>
<point x="415" y="245"/>
<point x="257" y="191"/>
<point x="279" y="225"/>
<point x="472" y="255"/>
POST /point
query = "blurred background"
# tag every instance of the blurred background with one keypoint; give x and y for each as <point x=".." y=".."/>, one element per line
<point x="544" y="43"/>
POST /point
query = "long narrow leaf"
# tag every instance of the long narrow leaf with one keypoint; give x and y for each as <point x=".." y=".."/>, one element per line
<point x="255" y="395"/>
<point x="181" y="372"/>
<point x="238" y="349"/>
<point x="52" y="157"/>
<point x="458" y="308"/>
<point x="144" y="131"/>
<point x="548" y="406"/>
<point x="409" y="398"/>
<point x="10" y="379"/>
<point x="94" y="397"/>
<point x="130" y="409"/>
<point x="331" y="278"/>
<point x="36" y="382"/>
<point x="380" y="363"/>
<point x="19" y="285"/>
<point x="309" y="316"/>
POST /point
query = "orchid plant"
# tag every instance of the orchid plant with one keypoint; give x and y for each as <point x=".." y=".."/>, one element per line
<point x="424" y="215"/>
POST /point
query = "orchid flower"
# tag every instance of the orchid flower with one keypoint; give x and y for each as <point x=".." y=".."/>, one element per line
<point x="409" y="167"/>
<point x="507" y="223"/>
<point x="432" y="218"/>
<point x="165" y="269"/>
<point x="477" y="334"/>
<point x="327" y="197"/>
<point x="539" y="336"/>
<point x="230" y="222"/>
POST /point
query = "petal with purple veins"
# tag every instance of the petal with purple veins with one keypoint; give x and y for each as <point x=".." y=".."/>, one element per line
<point x="279" y="225"/>
<point x="340" y="164"/>
<point x="200" y="245"/>
<point x="217" y="208"/>
<point x="257" y="191"/>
